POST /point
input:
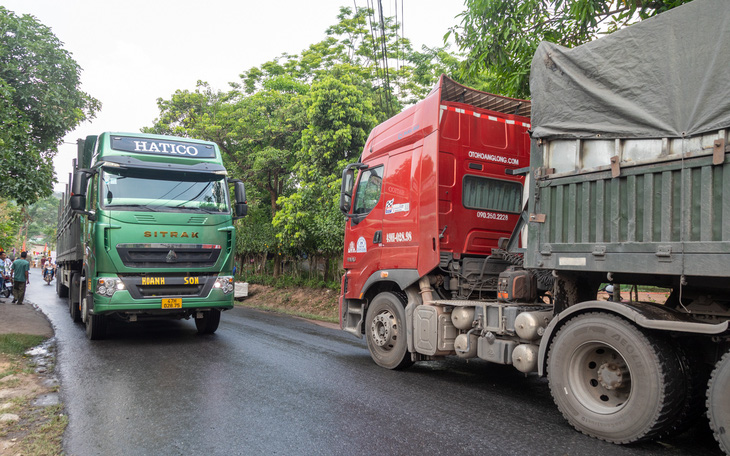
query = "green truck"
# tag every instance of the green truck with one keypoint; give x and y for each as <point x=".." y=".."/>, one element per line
<point x="146" y="232"/>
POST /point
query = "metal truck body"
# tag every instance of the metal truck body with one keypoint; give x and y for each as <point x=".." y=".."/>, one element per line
<point x="147" y="232"/>
<point x="629" y="184"/>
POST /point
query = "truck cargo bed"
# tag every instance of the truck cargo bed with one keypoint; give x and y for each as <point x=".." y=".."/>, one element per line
<point x="632" y="205"/>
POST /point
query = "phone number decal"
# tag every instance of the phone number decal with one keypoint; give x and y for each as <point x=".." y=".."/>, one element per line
<point x="399" y="237"/>
<point x="492" y="216"/>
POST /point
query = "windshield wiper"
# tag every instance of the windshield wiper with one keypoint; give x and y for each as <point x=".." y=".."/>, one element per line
<point x="198" y="209"/>
<point x="126" y="206"/>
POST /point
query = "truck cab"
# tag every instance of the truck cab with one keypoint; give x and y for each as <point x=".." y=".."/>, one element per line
<point x="437" y="188"/>
<point x="156" y="236"/>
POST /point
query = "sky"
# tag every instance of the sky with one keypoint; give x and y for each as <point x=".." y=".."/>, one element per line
<point x="133" y="52"/>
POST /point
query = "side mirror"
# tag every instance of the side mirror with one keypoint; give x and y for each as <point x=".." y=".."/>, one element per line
<point x="78" y="187"/>
<point x="239" y="191"/>
<point x="78" y="203"/>
<point x="241" y="210"/>
<point x="348" y="182"/>
<point x="77" y="200"/>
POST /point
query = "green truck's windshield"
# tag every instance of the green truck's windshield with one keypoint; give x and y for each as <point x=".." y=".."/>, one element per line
<point x="128" y="189"/>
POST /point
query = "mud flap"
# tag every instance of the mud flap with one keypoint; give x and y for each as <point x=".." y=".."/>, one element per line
<point x="352" y="317"/>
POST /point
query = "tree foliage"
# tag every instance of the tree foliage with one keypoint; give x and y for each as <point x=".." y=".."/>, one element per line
<point x="339" y="117"/>
<point x="500" y="37"/>
<point x="40" y="102"/>
<point x="41" y="220"/>
<point x="10" y="221"/>
<point x="289" y="126"/>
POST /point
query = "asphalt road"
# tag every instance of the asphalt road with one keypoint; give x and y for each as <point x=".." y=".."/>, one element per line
<point x="271" y="384"/>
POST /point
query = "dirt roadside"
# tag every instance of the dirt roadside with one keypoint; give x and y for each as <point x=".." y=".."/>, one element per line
<point x="27" y="384"/>
<point x="319" y="306"/>
<point x="25" y="319"/>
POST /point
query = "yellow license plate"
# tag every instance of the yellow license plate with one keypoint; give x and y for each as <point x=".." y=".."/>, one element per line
<point x="172" y="303"/>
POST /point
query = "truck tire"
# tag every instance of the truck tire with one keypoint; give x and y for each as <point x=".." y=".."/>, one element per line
<point x="612" y="381"/>
<point x="73" y="306"/>
<point x="95" y="324"/>
<point x="209" y="323"/>
<point x="61" y="289"/>
<point x="718" y="402"/>
<point x="696" y="374"/>
<point x="385" y="331"/>
<point x="75" y="312"/>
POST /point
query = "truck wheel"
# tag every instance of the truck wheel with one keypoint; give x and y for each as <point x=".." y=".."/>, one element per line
<point x="209" y="323"/>
<point x="718" y="403"/>
<point x="385" y="331"/>
<point x="71" y="295"/>
<point x="696" y="374"/>
<point x="73" y="307"/>
<point x="74" y="311"/>
<point x="61" y="289"/>
<point x="612" y="381"/>
<point x="95" y="324"/>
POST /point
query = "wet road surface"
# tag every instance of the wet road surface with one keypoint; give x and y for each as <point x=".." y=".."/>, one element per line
<point x="271" y="384"/>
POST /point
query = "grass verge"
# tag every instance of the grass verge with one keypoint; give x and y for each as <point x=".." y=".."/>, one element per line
<point x="17" y="344"/>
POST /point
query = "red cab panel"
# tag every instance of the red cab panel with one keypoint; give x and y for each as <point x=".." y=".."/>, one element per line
<point x="433" y="180"/>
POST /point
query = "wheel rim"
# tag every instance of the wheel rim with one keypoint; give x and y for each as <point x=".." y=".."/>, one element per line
<point x="599" y="377"/>
<point x="384" y="330"/>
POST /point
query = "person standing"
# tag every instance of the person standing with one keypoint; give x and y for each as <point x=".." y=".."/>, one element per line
<point x="4" y="270"/>
<point x="21" y="277"/>
<point x="8" y="263"/>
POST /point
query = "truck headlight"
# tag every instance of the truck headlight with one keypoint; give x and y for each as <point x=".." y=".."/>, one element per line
<point x="107" y="286"/>
<point x="224" y="283"/>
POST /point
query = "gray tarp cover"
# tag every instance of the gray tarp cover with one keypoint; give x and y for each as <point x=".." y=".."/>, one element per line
<point x="667" y="76"/>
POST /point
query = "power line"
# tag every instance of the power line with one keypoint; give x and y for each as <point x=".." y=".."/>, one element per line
<point x="402" y="29"/>
<point x="385" y="58"/>
<point x="397" y="47"/>
<point x="375" y="51"/>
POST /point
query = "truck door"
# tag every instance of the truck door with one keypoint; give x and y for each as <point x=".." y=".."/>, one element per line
<point x="88" y="225"/>
<point x="364" y="233"/>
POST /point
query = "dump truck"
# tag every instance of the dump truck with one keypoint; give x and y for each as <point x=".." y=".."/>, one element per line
<point x="628" y="186"/>
<point x="146" y="232"/>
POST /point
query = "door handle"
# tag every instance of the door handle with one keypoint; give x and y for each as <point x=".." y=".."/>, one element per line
<point x="378" y="238"/>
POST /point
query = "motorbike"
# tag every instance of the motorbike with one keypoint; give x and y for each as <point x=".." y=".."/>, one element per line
<point x="6" y="287"/>
<point x="47" y="275"/>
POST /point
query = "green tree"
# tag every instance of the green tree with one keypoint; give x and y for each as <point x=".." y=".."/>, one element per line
<point x="288" y="127"/>
<point x="42" y="219"/>
<point x="500" y="37"/>
<point x="40" y="102"/>
<point x="355" y="46"/>
<point x="255" y="237"/>
<point x="10" y="221"/>
<point x="340" y="114"/>
<point x="256" y="132"/>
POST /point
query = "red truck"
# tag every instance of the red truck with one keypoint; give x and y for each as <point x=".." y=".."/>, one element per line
<point x="439" y="186"/>
<point x="629" y="185"/>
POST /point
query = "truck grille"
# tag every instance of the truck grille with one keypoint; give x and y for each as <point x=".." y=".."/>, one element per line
<point x="168" y="255"/>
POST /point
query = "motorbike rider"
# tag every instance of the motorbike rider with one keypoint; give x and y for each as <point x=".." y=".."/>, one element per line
<point x="48" y="271"/>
